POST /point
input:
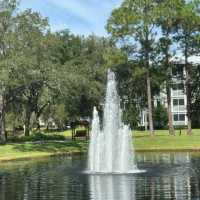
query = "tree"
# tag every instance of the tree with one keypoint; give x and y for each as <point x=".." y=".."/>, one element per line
<point x="31" y="50"/>
<point x="131" y="83"/>
<point x="82" y="74"/>
<point x="7" y="9"/>
<point x="135" y="21"/>
<point x="60" y="116"/>
<point x="160" y="117"/>
<point x="188" y="38"/>
<point x="196" y="96"/>
<point x="14" y="116"/>
<point x="167" y="20"/>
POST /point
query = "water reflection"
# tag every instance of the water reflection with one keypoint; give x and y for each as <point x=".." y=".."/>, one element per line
<point x="49" y="179"/>
<point x="169" y="176"/>
<point x="112" y="187"/>
<point x="167" y="158"/>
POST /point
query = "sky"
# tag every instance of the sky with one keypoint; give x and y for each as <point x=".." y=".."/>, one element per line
<point x="83" y="17"/>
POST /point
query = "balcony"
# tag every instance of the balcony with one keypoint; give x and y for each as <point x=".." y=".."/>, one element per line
<point x="179" y="109"/>
<point x="177" y="93"/>
<point x="179" y="123"/>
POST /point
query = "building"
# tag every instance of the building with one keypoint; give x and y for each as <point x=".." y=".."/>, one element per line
<point x="178" y="95"/>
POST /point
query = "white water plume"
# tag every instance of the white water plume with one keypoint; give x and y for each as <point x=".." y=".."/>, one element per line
<point x="111" y="149"/>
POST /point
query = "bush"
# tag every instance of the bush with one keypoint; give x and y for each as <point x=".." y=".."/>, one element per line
<point x="160" y="117"/>
<point x="140" y="128"/>
<point x="180" y="127"/>
<point x="37" y="137"/>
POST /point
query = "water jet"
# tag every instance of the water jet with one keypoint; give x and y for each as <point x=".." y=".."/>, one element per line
<point x="110" y="148"/>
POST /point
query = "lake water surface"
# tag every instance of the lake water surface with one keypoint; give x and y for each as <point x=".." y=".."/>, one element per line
<point x="168" y="176"/>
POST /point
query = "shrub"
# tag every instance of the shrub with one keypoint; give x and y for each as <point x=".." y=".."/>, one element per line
<point x="160" y="117"/>
<point x="37" y="137"/>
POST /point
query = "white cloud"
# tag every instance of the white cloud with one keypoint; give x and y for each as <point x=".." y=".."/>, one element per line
<point x="77" y="8"/>
<point x="80" y="16"/>
<point x="87" y="10"/>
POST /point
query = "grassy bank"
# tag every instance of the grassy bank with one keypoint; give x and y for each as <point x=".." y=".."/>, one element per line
<point x="142" y="142"/>
<point x="28" y="150"/>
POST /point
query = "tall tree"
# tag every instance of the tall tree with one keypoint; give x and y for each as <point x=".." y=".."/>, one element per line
<point x="131" y="85"/>
<point x="135" y="21"/>
<point x="31" y="49"/>
<point x="188" y="38"/>
<point x="7" y="7"/>
<point x="167" y="20"/>
<point x="196" y="96"/>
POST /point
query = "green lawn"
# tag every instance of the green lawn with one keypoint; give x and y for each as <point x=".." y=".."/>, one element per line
<point x="142" y="142"/>
<point x="163" y="141"/>
<point x="40" y="149"/>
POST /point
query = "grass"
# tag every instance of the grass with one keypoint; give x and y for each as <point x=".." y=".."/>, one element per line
<point x="163" y="141"/>
<point x="141" y="139"/>
<point x="15" y="151"/>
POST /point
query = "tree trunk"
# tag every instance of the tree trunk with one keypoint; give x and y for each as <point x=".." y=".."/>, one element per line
<point x="151" y="128"/>
<point x="27" y="122"/>
<point x="38" y="124"/>
<point x="188" y="94"/>
<point x="188" y="89"/>
<point x="169" y="110"/>
<point x="38" y="114"/>
<point x="2" y="119"/>
<point x="168" y="86"/>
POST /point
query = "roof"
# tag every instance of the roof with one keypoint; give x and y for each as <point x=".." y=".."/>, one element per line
<point x="180" y="59"/>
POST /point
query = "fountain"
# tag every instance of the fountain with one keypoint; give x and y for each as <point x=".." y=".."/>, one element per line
<point x="111" y="149"/>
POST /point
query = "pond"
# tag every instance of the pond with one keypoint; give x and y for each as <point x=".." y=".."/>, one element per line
<point x="167" y="176"/>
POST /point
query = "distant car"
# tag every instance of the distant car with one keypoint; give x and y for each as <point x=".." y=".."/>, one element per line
<point x="68" y="126"/>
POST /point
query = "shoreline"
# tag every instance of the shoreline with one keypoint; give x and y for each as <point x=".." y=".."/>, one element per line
<point x="143" y="143"/>
<point x="27" y="158"/>
<point x="39" y="155"/>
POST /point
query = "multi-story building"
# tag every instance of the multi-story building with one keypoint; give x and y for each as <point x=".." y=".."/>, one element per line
<point x="178" y="95"/>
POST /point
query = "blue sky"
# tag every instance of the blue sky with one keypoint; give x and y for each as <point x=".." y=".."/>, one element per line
<point x="82" y="17"/>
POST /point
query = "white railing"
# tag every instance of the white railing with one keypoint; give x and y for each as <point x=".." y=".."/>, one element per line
<point x="177" y="93"/>
<point x="182" y="108"/>
<point x="179" y="108"/>
<point x="179" y="123"/>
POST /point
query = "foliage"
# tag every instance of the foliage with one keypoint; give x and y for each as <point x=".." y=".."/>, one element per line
<point x="135" y="21"/>
<point x="188" y="34"/>
<point x="58" y="77"/>
<point x="38" y="136"/>
<point x="55" y="77"/>
<point x="160" y="117"/>
<point x="196" y="97"/>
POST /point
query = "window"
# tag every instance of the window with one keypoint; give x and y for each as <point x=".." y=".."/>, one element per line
<point x="178" y="102"/>
<point x="175" y="86"/>
<point x="177" y="70"/>
<point x="175" y="102"/>
<point x="176" y="117"/>
<point x="179" y="117"/>
<point x="181" y="102"/>
<point x="178" y="86"/>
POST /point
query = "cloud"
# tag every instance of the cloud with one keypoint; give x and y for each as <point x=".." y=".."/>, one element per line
<point x="80" y="16"/>
<point x="76" y="8"/>
<point x="87" y="10"/>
